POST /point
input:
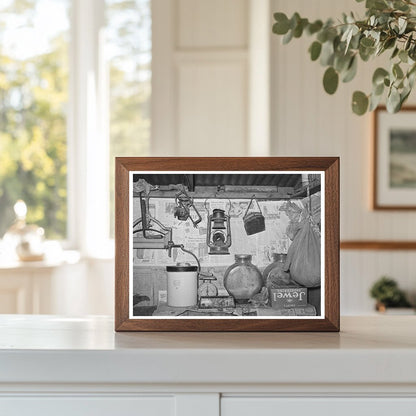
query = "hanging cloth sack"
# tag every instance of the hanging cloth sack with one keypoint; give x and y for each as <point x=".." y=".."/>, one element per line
<point x="304" y="255"/>
<point x="254" y="222"/>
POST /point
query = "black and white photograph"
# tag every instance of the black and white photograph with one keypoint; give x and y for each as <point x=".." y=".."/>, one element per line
<point x="403" y="158"/>
<point x="226" y="244"/>
<point x="394" y="177"/>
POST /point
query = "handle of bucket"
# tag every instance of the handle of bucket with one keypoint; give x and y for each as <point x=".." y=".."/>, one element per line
<point x="193" y="255"/>
<point x="249" y="205"/>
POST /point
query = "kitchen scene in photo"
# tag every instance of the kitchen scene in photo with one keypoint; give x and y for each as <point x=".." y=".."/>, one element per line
<point x="226" y="244"/>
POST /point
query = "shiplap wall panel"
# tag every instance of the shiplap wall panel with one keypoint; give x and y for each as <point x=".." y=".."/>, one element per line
<point x="308" y="122"/>
<point x="212" y="108"/>
<point x="212" y="24"/>
<point x="200" y="77"/>
<point x="211" y="84"/>
<point x="359" y="270"/>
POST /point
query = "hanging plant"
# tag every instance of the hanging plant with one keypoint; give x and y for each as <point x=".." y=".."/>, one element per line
<point x="389" y="27"/>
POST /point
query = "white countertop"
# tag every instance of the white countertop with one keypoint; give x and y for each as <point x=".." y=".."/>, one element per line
<point x="53" y="349"/>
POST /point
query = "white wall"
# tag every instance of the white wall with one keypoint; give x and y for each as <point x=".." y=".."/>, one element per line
<point x="203" y="91"/>
<point x="308" y="122"/>
<point x="202" y="88"/>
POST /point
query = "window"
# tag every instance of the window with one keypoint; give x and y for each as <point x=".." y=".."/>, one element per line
<point x="33" y="98"/>
<point x="75" y="87"/>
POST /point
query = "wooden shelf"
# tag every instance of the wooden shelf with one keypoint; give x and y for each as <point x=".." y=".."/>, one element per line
<point x="377" y="245"/>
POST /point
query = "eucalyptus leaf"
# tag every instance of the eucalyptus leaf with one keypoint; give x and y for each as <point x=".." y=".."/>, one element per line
<point x="315" y="50"/>
<point x="400" y="5"/>
<point x="393" y="101"/>
<point x="314" y="27"/>
<point x="376" y="4"/>
<point x="346" y="34"/>
<point x="403" y="56"/>
<point x="330" y="80"/>
<point x="412" y="52"/>
<point x="411" y="71"/>
<point x="374" y="102"/>
<point x="281" y="27"/>
<point x="337" y="44"/>
<point x="327" y="54"/>
<point x="350" y="18"/>
<point x="351" y="32"/>
<point x="350" y="73"/>
<point x="322" y="36"/>
<point x="359" y="103"/>
<point x="379" y="75"/>
<point x="402" y="22"/>
<point x="355" y="41"/>
<point x="404" y="96"/>
<point x="342" y="62"/>
<point x="376" y="36"/>
<point x="294" y="20"/>
<point x="378" y="89"/>
<point x="288" y="37"/>
<point x="411" y="78"/>
<point x="397" y="71"/>
<point x="367" y="42"/>
<point x="394" y="25"/>
<point x="366" y="53"/>
<point x="395" y="52"/>
<point x="389" y="43"/>
<point x="298" y="30"/>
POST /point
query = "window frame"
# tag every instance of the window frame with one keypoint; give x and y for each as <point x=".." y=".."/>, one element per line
<point x="87" y="133"/>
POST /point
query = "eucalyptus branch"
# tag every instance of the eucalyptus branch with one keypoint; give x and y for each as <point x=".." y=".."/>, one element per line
<point x="389" y="25"/>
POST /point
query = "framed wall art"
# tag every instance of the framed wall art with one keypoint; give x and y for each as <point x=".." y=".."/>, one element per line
<point x="227" y="244"/>
<point x="394" y="178"/>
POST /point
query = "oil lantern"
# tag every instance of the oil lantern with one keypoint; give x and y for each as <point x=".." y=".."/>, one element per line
<point x="218" y="232"/>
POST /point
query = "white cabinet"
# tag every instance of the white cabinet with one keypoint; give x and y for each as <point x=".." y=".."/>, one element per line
<point x="88" y="406"/>
<point x="51" y="365"/>
<point x="269" y="406"/>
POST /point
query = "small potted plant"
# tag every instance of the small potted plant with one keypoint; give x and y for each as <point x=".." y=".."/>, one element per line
<point x="387" y="294"/>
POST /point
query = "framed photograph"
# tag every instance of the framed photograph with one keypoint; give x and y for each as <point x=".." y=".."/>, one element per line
<point x="227" y="244"/>
<point x="394" y="179"/>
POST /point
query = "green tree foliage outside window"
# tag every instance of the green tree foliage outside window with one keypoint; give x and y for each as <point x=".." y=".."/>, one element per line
<point x="33" y="100"/>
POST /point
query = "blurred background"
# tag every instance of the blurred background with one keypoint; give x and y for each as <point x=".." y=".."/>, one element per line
<point x="83" y="81"/>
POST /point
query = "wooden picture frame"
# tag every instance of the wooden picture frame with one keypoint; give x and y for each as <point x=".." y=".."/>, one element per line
<point x="394" y="184"/>
<point x="129" y="169"/>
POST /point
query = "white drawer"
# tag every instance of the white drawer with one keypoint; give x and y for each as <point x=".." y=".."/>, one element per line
<point x="273" y="406"/>
<point x="87" y="406"/>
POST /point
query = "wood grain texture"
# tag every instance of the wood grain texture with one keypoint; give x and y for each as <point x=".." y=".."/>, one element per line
<point x="376" y="205"/>
<point x="329" y="165"/>
<point x="121" y="244"/>
<point x="378" y="245"/>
